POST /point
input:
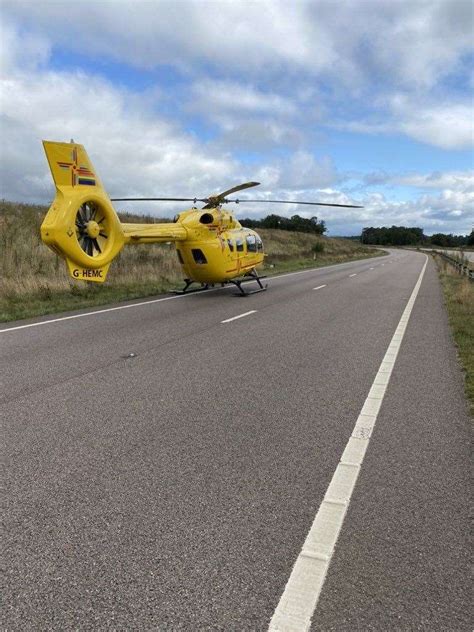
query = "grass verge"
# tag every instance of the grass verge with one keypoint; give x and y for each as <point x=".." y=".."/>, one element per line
<point x="459" y="300"/>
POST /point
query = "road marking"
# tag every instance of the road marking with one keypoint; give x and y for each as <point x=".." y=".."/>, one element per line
<point x="370" y="268"/>
<point x="300" y="597"/>
<point x="319" y="287"/>
<point x="98" y="311"/>
<point x="169" y="298"/>
<point x="351" y="275"/>
<point x="228" y="320"/>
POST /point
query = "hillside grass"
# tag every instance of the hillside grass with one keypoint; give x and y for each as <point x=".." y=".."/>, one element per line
<point x="34" y="280"/>
<point x="459" y="300"/>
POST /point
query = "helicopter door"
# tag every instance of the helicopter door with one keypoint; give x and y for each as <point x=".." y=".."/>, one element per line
<point x="239" y="252"/>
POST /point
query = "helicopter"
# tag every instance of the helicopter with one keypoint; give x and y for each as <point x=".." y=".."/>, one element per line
<point x="82" y="227"/>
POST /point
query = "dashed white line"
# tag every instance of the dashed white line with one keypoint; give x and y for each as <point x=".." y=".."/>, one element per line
<point x="320" y="287"/>
<point x="370" y="268"/>
<point x="300" y="597"/>
<point x="351" y="275"/>
<point x="228" y="320"/>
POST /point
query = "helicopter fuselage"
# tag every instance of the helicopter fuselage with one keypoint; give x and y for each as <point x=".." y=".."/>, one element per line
<point x="216" y="248"/>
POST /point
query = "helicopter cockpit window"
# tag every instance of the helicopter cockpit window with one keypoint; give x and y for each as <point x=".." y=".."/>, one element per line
<point x="240" y="245"/>
<point x="231" y="245"/>
<point x="198" y="255"/>
<point x="259" y="245"/>
<point x="251" y="243"/>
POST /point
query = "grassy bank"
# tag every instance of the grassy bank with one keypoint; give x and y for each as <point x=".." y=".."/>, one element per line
<point x="34" y="281"/>
<point x="459" y="300"/>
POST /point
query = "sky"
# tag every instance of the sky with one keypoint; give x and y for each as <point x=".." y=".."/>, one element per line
<point x="343" y="101"/>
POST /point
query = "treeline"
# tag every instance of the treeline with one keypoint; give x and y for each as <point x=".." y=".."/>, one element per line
<point x="412" y="236"/>
<point x="449" y="241"/>
<point x="294" y="224"/>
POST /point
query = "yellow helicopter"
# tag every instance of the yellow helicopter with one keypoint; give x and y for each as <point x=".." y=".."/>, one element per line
<point x="83" y="228"/>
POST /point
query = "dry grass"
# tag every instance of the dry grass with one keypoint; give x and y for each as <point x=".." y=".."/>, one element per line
<point x="34" y="281"/>
<point x="459" y="299"/>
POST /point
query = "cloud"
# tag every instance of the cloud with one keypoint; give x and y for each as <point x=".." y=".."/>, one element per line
<point x="21" y="50"/>
<point x="273" y="109"/>
<point x="216" y="96"/>
<point x="413" y="44"/>
<point x="448" y="125"/>
<point x="462" y="181"/>
<point x="135" y="151"/>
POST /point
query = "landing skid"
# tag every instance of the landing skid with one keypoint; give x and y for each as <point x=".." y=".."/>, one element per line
<point x="253" y="274"/>
<point x="188" y="283"/>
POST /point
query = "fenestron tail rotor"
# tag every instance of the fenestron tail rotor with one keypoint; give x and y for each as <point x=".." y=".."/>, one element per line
<point x="92" y="231"/>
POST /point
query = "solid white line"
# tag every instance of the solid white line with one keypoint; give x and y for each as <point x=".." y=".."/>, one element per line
<point x="167" y="298"/>
<point x="300" y="597"/>
<point x="319" y="287"/>
<point x="351" y="275"/>
<point x="99" y="311"/>
<point x="228" y="320"/>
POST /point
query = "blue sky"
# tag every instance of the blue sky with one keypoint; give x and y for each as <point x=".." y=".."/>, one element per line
<point x="352" y="101"/>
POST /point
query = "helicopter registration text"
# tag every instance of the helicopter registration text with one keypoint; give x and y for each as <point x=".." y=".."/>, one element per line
<point x="87" y="274"/>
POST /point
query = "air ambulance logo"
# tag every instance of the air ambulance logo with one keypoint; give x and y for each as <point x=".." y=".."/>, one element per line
<point x="80" y="174"/>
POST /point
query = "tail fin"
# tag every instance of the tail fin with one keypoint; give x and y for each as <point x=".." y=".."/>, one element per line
<point x="70" y="165"/>
<point x="81" y="224"/>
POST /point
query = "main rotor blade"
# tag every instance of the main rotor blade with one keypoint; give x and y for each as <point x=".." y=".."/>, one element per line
<point x="239" y="187"/>
<point x="160" y="199"/>
<point x="295" y="202"/>
<point x="219" y="198"/>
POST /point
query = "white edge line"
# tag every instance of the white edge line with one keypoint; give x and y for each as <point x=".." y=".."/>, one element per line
<point x="298" y="602"/>
<point x="169" y="298"/>
<point x="228" y="320"/>
<point x="320" y="287"/>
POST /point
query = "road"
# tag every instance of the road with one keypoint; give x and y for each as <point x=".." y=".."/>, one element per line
<point x="165" y="462"/>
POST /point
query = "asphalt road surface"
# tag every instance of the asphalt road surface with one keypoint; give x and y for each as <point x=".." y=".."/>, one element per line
<point x="165" y="462"/>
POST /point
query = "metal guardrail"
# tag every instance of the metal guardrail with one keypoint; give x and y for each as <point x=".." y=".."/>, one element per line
<point x="461" y="267"/>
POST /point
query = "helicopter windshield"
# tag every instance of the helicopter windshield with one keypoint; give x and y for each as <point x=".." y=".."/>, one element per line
<point x="251" y="243"/>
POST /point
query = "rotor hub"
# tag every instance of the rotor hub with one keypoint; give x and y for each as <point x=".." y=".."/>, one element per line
<point x="92" y="229"/>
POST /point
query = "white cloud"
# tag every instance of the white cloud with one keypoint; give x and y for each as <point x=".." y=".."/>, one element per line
<point x="462" y="181"/>
<point x="138" y="151"/>
<point x="135" y="152"/>
<point x="17" y="50"/>
<point x="213" y="96"/>
<point x="412" y="43"/>
<point x="448" y="125"/>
